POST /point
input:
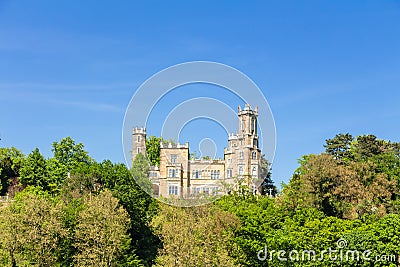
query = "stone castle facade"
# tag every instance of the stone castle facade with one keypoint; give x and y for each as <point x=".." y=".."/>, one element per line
<point x="182" y="176"/>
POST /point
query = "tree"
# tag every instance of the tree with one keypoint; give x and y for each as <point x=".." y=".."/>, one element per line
<point x="101" y="237"/>
<point x="267" y="185"/>
<point x="57" y="173"/>
<point x="366" y="146"/>
<point x="195" y="236"/>
<point x="70" y="154"/>
<point x="31" y="229"/>
<point x="10" y="163"/>
<point x="339" y="146"/>
<point x="349" y="191"/>
<point x="153" y="149"/>
<point x="140" y="206"/>
<point x="33" y="170"/>
<point x="140" y="172"/>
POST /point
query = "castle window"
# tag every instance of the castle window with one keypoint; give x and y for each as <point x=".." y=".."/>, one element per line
<point x="196" y="174"/>
<point x="173" y="190"/>
<point x="241" y="154"/>
<point x="218" y="175"/>
<point x="229" y="160"/>
<point x="196" y="191"/>
<point x="242" y="126"/>
<point x="229" y="173"/>
<point x="173" y="158"/>
<point x="254" y="171"/>
<point x="241" y="170"/>
<point x="206" y="191"/>
<point x="212" y="174"/>
<point x="254" y="155"/>
<point x="173" y="173"/>
<point x="215" y="190"/>
<point x="138" y="138"/>
<point x="138" y="150"/>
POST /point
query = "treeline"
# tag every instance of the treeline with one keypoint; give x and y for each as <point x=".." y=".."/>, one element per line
<point x="73" y="211"/>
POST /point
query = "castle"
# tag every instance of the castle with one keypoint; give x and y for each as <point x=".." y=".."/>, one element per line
<point x="182" y="176"/>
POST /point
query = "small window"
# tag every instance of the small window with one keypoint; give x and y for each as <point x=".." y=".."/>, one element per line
<point x="173" y="190"/>
<point x="241" y="170"/>
<point x="138" y="150"/>
<point x="241" y="154"/>
<point x="173" y="158"/>
<point x="206" y="191"/>
<point x="138" y="138"/>
<point x="254" y="155"/>
<point x="173" y="173"/>
<point x="215" y="190"/>
<point x="196" y="191"/>
<point x="254" y="171"/>
<point x="229" y="173"/>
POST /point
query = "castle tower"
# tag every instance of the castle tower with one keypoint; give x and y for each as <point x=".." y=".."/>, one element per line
<point x="138" y="142"/>
<point x="247" y="130"/>
<point x="242" y="156"/>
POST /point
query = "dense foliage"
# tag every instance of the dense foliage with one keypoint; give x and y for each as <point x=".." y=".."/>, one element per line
<point x="73" y="211"/>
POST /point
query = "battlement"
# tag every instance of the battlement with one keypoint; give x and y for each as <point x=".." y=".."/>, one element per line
<point x="171" y="145"/>
<point x="207" y="161"/>
<point x="247" y="110"/>
<point x="232" y="136"/>
<point x="139" y="130"/>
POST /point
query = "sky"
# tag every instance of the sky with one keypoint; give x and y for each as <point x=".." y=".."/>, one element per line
<point x="70" y="68"/>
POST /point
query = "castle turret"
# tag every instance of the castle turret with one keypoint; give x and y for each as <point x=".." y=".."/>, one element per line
<point x="138" y="141"/>
<point x="242" y="157"/>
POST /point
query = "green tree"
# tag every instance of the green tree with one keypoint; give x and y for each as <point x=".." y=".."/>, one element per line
<point x="140" y="206"/>
<point x="366" y="146"/>
<point x="101" y="237"/>
<point x="339" y="146"/>
<point x="57" y="173"/>
<point x="267" y="185"/>
<point x="70" y="154"/>
<point x="31" y="229"/>
<point x="153" y="149"/>
<point x="10" y="163"/>
<point x="33" y="170"/>
<point x="195" y="236"/>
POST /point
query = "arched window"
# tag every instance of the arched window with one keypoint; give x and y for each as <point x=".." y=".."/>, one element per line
<point x="254" y="155"/>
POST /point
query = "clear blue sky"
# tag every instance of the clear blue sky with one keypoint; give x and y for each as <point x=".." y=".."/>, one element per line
<point x="69" y="68"/>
